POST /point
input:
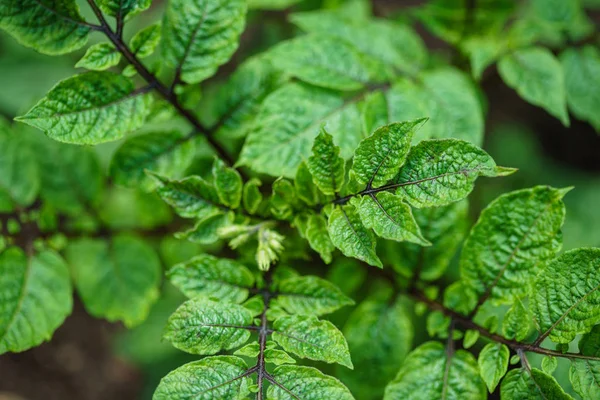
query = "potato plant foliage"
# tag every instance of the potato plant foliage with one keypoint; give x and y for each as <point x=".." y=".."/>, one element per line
<point x="338" y="158"/>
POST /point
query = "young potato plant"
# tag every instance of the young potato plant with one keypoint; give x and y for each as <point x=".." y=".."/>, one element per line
<point x="334" y="166"/>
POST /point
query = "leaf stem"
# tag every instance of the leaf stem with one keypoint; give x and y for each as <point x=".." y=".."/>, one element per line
<point x="263" y="332"/>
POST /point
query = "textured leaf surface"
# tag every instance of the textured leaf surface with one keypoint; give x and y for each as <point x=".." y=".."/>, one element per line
<point x="426" y="375"/>
<point x="348" y="234"/>
<point x="202" y="326"/>
<point x="201" y="35"/>
<point x="310" y="338"/>
<point x="310" y="295"/>
<point x="538" y="77"/>
<point x="228" y="184"/>
<point x="318" y="237"/>
<point x="531" y="385"/>
<point x="251" y="195"/>
<point x="206" y="231"/>
<point x="36" y="298"/>
<point x="211" y="378"/>
<point x="305" y="383"/>
<point x="48" y="26"/>
<point x="191" y="197"/>
<point x="566" y="296"/>
<point x="493" y="363"/>
<point x="99" y="57"/>
<point x="585" y="374"/>
<point x="513" y="237"/>
<point x="516" y="321"/>
<point x="306" y="190"/>
<point x="219" y="278"/>
<point x="91" y="108"/>
<point x="144" y="42"/>
<point x="326" y="165"/>
<point x="123" y="8"/>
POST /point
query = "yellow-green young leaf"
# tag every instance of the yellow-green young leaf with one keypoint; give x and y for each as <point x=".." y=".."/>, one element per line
<point x="217" y="278"/>
<point x="482" y="52"/>
<point x="144" y="42"/>
<point x="460" y="297"/>
<point x="325" y="61"/>
<point x="36" y="298"/>
<point x="249" y="350"/>
<point x="378" y="158"/>
<point x="288" y="122"/>
<point x="278" y="357"/>
<point x="348" y="234"/>
<point x="206" y="231"/>
<point x="123" y="8"/>
<point x="521" y="384"/>
<point x="119" y="280"/>
<point x="308" y="337"/>
<point x="471" y="337"/>
<point x="440" y="172"/>
<point x="549" y="364"/>
<point x="202" y="326"/>
<point x="50" y="27"/>
<point x="191" y="197"/>
<point x="429" y="372"/>
<point x="305" y="383"/>
<point x="493" y="363"/>
<point x="90" y="108"/>
<point x="200" y="35"/>
<point x="566" y="295"/>
<point x="516" y="321"/>
<point x="99" y="57"/>
<point x="584" y="373"/>
<point x="167" y="153"/>
<point x="310" y="295"/>
<point x="228" y="184"/>
<point x="538" y="77"/>
<point x="582" y="78"/>
<point x="390" y="218"/>
<point x="513" y="237"/>
<point x="251" y="195"/>
<point x="380" y="335"/>
<point x="219" y="377"/>
<point x="326" y="165"/>
<point x="305" y="187"/>
<point x="283" y="198"/>
<point x="318" y="237"/>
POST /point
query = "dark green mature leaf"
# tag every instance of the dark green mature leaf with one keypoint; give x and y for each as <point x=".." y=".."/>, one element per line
<point x="585" y="374"/>
<point x="348" y="234"/>
<point x="219" y="377"/>
<point x="318" y="237"/>
<point x="144" y="42"/>
<point x="516" y="321"/>
<point x="200" y="35"/>
<point x="36" y="298"/>
<point x="582" y="78"/>
<point x="493" y="363"/>
<point x="514" y="235"/>
<point x="426" y="375"/>
<point x="309" y="383"/>
<point x="90" y="108"/>
<point x="310" y="295"/>
<point x="202" y="326"/>
<point x="167" y="153"/>
<point x="48" y="26"/>
<point x="566" y="296"/>
<point x="308" y="337"/>
<point x="118" y="280"/>
<point x="209" y="276"/>
<point x="378" y="158"/>
<point x="99" y="57"/>
<point x="228" y="184"/>
<point x="521" y="384"/>
<point x="206" y="231"/>
<point x="123" y="8"/>
<point x="538" y="77"/>
<point x="326" y="165"/>
<point x="440" y="172"/>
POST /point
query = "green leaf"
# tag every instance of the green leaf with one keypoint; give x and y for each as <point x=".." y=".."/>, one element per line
<point x="249" y="350"/>
<point x="390" y="218"/>
<point x="167" y="153"/>
<point x="218" y="278"/>
<point x="493" y="363"/>
<point x="295" y="382"/>
<point x="310" y="295"/>
<point x="549" y="364"/>
<point x="516" y="321"/>
<point x="514" y="235"/>
<point x="200" y="35"/>
<point x="220" y="377"/>
<point x="308" y="337"/>
<point x="531" y="385"/>
<point x="90" y="108"/>
<point x="566" y="296"/>
<point x="283" y="199"/>
<point x="584" y="374"/>
<point x="379" y="335"/>
<point x="471" y="337"/>
<point x="305" y="188"/>
<point x="202" y="326"/>
<point x="289" y="120"/>
<point x="538" y="77"/>
<point x="206" y="231"/>
<point x="118" y="280"/>
<point x="124" y="209"/>
<point x="318" y="237"/>
<point x="278" y="357"/>
<point x="123" y="8"/>
<point x="440" y="172"/>
<point x="228" y="184"/>
<point x="433" y="373"/>
<point x="482" y="52"/>
<point x="99" y="57"/>
<point x="324" y="61"/>
<point x="50" y="27"/>
<point x="582" y="78"/>
<point x="379" y="157"/>
<point x="326" y="165"/>
<point x="36" y="298"/>
<point x="251" y="195"/>
<point x="350" y="236"/>
<point x="144" y="42"/>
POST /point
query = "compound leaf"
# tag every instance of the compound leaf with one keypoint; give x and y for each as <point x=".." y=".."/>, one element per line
<point x="531" y="385"/>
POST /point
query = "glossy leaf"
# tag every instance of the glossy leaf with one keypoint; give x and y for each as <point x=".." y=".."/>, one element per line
<point x="310" y="295"/>
<point x="307" y="382"/>
<point x="318" y="237"/>
<point x="228" y="184"/>
<point x="584" y="373"/>
<point x="531" y="385"/>
<point x="99" y="57"/>
<point x="251" y="195"/>
<point x="144" y="42"/>
<point x="326" y="165"/>
<point x="123" y="8"/>
<point x="516" y="322"/>
<point x="493" y="363"/>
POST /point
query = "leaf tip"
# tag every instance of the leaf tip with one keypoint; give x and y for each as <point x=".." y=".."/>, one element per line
<point x="505" y="171"/>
